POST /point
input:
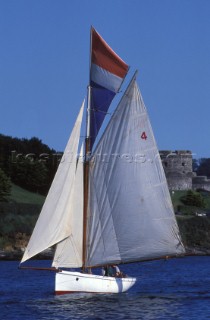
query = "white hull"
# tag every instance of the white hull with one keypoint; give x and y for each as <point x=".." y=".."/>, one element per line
<point x="70" y="282"/>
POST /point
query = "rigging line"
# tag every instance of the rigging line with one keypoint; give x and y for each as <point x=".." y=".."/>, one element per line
<point x="100" y="111"/>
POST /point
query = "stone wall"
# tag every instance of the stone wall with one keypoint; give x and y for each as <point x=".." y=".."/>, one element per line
<point x="178" y="169"/>
<point x="179" y="173"/>
<point x="201" y="182"/>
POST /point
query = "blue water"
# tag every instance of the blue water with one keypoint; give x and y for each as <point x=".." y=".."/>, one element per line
<point x="172" y="289"/>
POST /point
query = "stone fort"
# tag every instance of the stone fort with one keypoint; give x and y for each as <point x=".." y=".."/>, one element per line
<point x="179" y="171"/>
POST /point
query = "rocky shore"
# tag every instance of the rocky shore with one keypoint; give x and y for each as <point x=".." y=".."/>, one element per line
<point x="197" y="251"/>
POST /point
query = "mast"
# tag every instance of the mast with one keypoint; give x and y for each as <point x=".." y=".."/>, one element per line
<point x="107" y="72"/>
<point x="86" y="165"/>
<point x="86" y="182"/>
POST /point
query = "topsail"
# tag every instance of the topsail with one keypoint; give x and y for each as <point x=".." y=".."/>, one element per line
<point x="107" y="72"/>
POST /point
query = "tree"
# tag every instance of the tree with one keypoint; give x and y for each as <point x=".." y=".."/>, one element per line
<point x="203" y="168"/>
<point x="195" y="164"/>
<point x="193" y="198"/>
<point x="30" y="175"/>
<point x="5" y="186"/>
<point x="29" y="163"/>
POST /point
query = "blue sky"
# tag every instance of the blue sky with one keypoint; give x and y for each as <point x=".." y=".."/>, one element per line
<point x="44" y="65"/>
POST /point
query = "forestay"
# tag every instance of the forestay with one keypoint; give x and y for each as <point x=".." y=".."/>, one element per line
<point x="130" y="211"/>
<point x="54" y="223"/>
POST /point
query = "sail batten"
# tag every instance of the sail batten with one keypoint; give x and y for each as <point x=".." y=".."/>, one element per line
<point x="54" y="223"/>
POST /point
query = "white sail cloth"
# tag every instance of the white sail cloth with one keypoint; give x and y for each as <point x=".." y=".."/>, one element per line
<point x="69" y="251"/>
<point x="130" y="214"/>
<point x="54" y="223"/>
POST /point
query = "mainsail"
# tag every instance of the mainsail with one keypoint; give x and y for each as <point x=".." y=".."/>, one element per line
<point x="55" y="220"/>
<point x="130" y="214"/>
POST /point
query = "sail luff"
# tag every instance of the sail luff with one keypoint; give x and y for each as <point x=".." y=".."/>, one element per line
<point x="53" y="224"/>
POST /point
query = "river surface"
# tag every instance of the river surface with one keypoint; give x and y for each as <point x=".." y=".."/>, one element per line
<point x="172" y="289"/>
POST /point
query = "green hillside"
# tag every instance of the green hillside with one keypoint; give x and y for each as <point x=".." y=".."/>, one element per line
<point x="18" y="216"/>
<point x="20" y="195"/>
<point x="192" y="213"/>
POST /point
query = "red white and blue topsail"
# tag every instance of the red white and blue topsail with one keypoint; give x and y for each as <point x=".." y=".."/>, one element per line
<point x="107" y="72"/>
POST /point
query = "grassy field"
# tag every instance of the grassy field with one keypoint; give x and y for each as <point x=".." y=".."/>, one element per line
<point x="18" y="215"/>
<point x="20" y="195"/>
<point x="195" y="230"/>
<point x="188" y="210"/>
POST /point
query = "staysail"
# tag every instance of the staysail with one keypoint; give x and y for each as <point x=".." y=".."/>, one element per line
<point x="54" y="223"/>
<point x="68" y="252"/>
<point x="107" y="72"/>
<point x="130" y="214"/>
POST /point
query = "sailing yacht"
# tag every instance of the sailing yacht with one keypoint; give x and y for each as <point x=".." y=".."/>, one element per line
<point x="109" y="202"/>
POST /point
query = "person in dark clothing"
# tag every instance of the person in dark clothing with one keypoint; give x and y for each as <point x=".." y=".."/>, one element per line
<point x="111" y="271"/>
